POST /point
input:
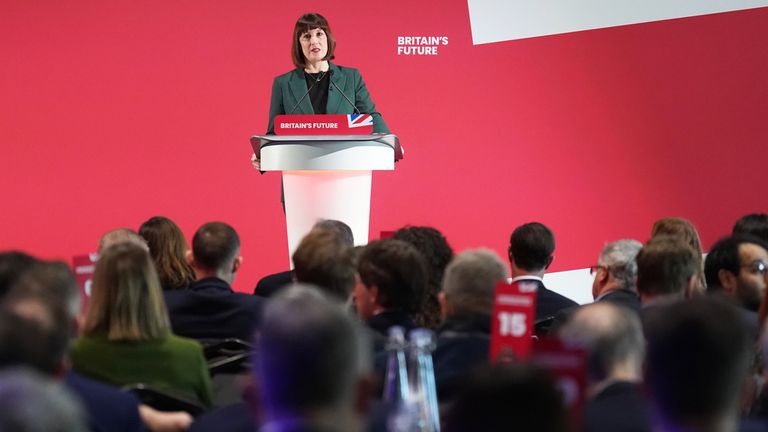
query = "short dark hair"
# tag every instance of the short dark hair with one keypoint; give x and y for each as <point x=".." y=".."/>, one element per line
<point x="215" y="245"/>
<point x="399" y="272"/>
<point x="496" y="397"/>
<point x="304" y="24"/>
<point x="12" y="265"/>
<point x="339" y="228"/>
<point x="301" y="323"/>
<point x="696" y="365"/>
<point x="724" y="255"/>
<point x="36" y="342"/>
<point x="323" y="258"/>
<point x="665" y="265"/>
<point x="531" y="246"/>
<point x="755" y="224"/>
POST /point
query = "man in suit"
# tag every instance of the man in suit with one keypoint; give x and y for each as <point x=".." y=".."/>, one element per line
<point x="530" y="254"/>
<point x="613" y="342"/>
<point x="616" y="274"/>
<point x="466" y="303"/>
<point x="209" y="309"/>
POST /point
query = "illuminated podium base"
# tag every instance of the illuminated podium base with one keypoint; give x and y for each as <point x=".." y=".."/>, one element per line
<point x="326" y="177"/>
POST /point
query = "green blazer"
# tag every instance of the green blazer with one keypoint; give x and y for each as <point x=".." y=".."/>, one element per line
<point x="288" y="88"/>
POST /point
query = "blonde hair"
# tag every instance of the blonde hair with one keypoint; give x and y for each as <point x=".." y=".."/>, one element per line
<point x="127" y="302"/>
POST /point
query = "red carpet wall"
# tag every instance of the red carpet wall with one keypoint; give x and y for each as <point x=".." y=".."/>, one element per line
<point x="114" y="111"/>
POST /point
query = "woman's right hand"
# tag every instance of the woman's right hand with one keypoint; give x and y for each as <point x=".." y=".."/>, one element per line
<point x="256" y="162"/>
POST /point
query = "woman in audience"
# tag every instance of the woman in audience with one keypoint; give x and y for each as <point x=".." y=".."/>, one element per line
<point x="437" y="254"/>
<point x="685" y="230"/>
<point x="127" y="337"/>
<point x="168" y="246"/>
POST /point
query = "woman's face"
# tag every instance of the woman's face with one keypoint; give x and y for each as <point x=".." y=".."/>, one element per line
<point x="314" y="45"/>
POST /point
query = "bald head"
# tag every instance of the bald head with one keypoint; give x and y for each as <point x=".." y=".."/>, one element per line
<point x="612" y="338"/>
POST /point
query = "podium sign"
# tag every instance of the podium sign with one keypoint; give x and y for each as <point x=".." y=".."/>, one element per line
<point x="512" y="323"/>
<point x="323" y="124"/>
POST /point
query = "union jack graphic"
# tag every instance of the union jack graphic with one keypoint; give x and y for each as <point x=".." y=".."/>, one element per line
<point x="359" y="120"/>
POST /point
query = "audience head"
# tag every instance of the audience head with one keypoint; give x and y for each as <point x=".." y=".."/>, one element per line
<point x="736" y="267"/>
<point x="755" y="224"/>
<point x="612" y="339"/>
<point x="324" y="258"/>
<point x="616" y="267"/>
<point x="530" y="249"/>
<point x="437" y="253"/>
<point x="508" y="397"/>
<point x="127" y="301"/>
<point x="686" y="232"/>
<point x="168" y="247"/>
<point x="31" y="337"/>
<point x="470" y="282"/>
<point x="50" y="281"/>
<point x="302" y="323"/>
<point x="666" y="268"/>
<point x="393" y="277"/>
<point x="12" y="265"/>
<point x="120" y="235"/>
<point x="32" y="403"/>
<point x="339" y="228"/>
<point x="216" y="251"/>
<point x="697" y="361"/>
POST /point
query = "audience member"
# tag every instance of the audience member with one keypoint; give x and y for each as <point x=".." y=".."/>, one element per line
<point x="325" y="259"/>
<point x="168" y="247"/>
<point x="530" y="254"/>
<point x="209" y="309"/>
<point x="127" y="337"/>
<point x="32" y="403"/>
<point x="466" y="300"/>
<point x="616" y="274"/>
<point x="684" y="230"/>
<point x="666" y="271"/>
<point x="437" y="254"/>
<point x="312" y="365"/>
<point x="613" y="342"/>
<point x="736" y="268"/>
<point x="393" y="278"/>
<point x="755" y="224"/>
<point x="121" y="235"/>
<point x="504" y="398"/>
<point x="270" y="284"/>
<point x="12" y="265"/>
<point x="697" y="361"/>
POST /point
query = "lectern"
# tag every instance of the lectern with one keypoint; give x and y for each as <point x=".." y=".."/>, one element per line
<point x="326" y="177"/>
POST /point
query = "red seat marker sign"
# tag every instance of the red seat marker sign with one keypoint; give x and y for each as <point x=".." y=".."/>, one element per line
<point x="512" y="325"/>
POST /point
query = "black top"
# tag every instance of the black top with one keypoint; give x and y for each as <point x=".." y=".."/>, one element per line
<point x="318" y="94"/>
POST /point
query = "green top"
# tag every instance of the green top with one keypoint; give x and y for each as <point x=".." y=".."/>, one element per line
<point x="289" y="88"/>
<point x="171" y="364"/>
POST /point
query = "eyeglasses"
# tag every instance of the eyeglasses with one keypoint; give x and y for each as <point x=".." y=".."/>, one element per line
<point x="757" y="267"/>
<point x="595" y="268"/>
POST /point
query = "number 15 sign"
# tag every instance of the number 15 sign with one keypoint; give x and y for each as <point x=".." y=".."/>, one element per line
<point x="512" y="326"/>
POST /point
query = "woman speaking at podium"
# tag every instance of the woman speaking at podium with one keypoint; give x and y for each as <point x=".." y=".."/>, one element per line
<point x="317" y="86"/>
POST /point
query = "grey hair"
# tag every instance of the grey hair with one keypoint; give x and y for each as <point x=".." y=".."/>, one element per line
<point x="470" y="280"/>
<point x="33" y="403"/>
<point x="619" y="258"/>
<point x="609" y="334"/>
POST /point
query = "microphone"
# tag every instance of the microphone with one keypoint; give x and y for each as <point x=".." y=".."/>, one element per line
<point x="342" y="93"/>
<point x="307" y="93"/>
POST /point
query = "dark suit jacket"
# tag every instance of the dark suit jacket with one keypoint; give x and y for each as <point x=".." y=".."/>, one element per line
<point x="288" y="89"/>
<point x="270" y="284"/>
<point x="619" y="407"/>
<point x="463" y="344"/>
<point x="108" y="409"/>
<point x="209" y="309"/>
<point x="624" y="298"/>
<point x="549" y="303"/>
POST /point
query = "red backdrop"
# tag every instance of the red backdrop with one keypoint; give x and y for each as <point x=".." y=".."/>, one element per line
<point x="112" y="112"/>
